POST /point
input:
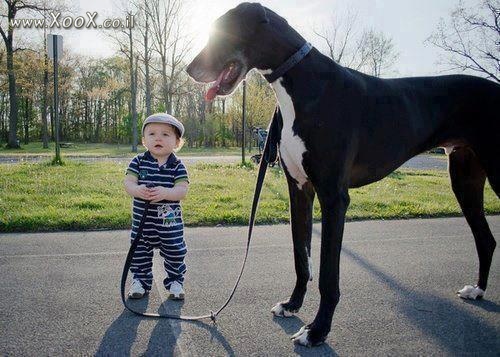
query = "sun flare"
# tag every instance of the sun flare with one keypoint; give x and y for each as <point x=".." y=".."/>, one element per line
<point x="203" y="14"/>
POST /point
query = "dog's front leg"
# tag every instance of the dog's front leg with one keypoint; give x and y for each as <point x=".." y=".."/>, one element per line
<point x="334" y="205"/>
<point x="301" y="208"/>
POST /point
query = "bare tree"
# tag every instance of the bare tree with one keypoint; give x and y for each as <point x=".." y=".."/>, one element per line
<point x="377" y="53"/>
<point x="126" y="40"/>
<point x="370" y="52"/>
<point x="164" y="18"/>
<point x="339" y="38"/>
<point x="143" y="24"/>
<point x="471" y="38"/>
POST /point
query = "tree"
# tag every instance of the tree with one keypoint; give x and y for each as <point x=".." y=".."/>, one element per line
<point x="471" y="38"/>
<point x="164" y="21"/>
<point x="377" y="53"/>
<point x="339" y="37"/>
<point x="370" y="52"/>
<point x="13" y="7"/>
<point x="126" y="40"/>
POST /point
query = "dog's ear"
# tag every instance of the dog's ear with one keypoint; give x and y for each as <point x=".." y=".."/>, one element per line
<point x="255" y="12"/>
<point x="261" y="14"/>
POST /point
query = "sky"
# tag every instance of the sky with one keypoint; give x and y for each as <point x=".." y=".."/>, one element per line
<point x="407" y="22"/>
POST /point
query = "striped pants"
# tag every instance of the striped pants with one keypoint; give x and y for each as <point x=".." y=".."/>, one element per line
<point x="170" y="241"/>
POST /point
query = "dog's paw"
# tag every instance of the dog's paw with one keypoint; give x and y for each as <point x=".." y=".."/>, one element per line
<point x="309" y="336"/>
<point x="301" y="337"/>
<point x="471" y="292"/>
<point x="280" y="309"/>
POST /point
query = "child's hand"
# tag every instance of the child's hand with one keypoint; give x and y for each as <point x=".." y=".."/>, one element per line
<point x="158" y="193"/>
<point x="143" y="192"/>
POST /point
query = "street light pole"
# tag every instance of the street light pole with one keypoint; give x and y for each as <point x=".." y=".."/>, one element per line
<point x="54" y="50"/>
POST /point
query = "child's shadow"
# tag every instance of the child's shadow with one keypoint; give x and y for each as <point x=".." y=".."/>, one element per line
<point x="121" y="335"/>
<point x="163" y="340"/>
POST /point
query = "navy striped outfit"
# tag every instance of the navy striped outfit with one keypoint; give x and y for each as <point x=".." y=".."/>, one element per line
<point x="164" y="227"/>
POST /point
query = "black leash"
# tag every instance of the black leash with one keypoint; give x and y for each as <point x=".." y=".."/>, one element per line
<point x="269" y="156"/>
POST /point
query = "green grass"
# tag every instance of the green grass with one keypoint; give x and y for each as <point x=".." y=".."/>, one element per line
<point x="111" y="150"/>
<point x="79" y="196"/>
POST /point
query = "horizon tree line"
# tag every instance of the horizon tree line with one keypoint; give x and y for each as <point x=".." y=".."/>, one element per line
<point x="106" y="99"/>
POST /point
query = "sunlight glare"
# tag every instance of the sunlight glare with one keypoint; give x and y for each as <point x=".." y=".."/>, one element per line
<point x="203" y="16"/>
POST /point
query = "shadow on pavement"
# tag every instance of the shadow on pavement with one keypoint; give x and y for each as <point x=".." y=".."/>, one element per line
<point x="121" y="335"/>
<point x="451" y="326"/>
<point x="216" y="335"/>
<point x="166" y="331"/>
<point x="485" y="304"/>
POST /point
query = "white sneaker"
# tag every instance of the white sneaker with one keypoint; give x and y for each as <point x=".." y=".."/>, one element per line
<point x="136" y="290"/>
<point x="176" y="292"/>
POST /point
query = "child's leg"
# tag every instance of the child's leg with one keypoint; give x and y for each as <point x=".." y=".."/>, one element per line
<point x="142" y="262"/>
<point x="173" y="250"/>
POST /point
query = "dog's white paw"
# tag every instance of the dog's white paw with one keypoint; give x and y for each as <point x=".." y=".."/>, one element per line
<point x="279" y="310"/>
<point x="470" y="292"/>
<point x="301" y="337"/>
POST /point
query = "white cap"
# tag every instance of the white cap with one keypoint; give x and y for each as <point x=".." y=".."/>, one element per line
<point x="165" y="119"/>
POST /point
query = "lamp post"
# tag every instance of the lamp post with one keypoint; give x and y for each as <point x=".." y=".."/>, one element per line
<point x="54" y="49"/>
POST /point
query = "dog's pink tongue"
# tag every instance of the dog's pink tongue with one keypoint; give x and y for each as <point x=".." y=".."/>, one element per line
<point x="212" y="91"/>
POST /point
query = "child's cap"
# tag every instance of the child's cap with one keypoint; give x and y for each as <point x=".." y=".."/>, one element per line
<point x="165" y="119"/>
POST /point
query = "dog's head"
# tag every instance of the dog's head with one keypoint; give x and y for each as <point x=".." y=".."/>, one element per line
<point x="241" y="39"/>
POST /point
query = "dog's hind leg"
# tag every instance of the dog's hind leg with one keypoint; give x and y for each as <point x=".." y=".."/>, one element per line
<point x="467" y="180"/>
<point x="301" y="210"/>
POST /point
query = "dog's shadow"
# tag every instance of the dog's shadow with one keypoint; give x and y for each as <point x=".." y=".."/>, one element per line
<point x="440" y="319"/>
<point x="486" y="305"/>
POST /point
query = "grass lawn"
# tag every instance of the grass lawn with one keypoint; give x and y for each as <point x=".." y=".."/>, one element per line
<point x="111" y="150"/>
<point x="79" y="196"/>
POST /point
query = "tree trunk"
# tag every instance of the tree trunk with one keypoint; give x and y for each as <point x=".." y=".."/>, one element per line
<point x="146" y="64"/>
<point x="133" y="95"/>
<point x="26" y="121"/>
<point x="45" y="134"/>
<point x="164" y="86"/>
<point x="13" y="142"/>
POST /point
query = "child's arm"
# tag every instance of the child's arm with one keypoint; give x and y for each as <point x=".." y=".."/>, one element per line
<point x="176" y="193"/>
<point x="135" y="190"/>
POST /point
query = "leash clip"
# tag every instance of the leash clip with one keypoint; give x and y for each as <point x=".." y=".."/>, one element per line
<point x="213" y="317"/>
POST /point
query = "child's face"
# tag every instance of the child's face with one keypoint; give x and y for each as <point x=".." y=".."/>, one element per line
<point x="160" y="139"/>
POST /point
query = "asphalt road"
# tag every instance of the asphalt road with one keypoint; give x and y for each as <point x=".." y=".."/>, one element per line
<point x="422" y="162"/>
<point x="60" y="294"/>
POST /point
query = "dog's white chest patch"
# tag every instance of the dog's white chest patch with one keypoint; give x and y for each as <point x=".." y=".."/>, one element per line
<point x="292" y="146"/>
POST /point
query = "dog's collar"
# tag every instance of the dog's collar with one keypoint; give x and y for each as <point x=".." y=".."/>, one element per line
<point x="292" y="61"/>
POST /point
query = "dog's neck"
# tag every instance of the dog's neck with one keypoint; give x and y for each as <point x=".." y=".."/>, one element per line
<point x="289" y="63"/>
<point x="280" y="43"/>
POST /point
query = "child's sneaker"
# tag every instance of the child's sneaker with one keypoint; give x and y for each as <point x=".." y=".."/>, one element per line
<point x="136" y="290"/>
<point x="176" y="292"/>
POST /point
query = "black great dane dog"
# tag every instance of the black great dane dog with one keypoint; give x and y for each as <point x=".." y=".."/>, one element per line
<point x="341" y="129"/>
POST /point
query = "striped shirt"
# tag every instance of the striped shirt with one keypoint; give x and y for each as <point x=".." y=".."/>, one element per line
<point x="164" y="215"/>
